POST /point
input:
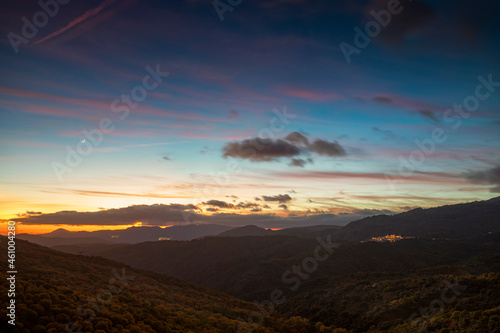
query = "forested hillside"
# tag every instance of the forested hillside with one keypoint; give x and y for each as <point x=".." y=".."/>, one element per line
<point x="55" y="290"/>
<point x="362" y="287"/>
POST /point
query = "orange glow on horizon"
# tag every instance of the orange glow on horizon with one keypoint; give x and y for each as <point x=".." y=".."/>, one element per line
<point x="36" y="229"/>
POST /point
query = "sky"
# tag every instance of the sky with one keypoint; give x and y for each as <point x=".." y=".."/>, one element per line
<point x="278" y="113"/>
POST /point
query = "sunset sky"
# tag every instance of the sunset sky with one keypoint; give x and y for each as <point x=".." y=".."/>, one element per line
<point x="186" y="96"/>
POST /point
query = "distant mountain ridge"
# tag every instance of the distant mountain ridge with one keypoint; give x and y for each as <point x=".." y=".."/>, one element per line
<point x="58" y="241"/>
<point x="446" y="222"/>
<point x="458" y="221"/>
<point x="362" y="286"/>
<point x="130" y="235"/>
<point x="248" y="230"/>
<point x="303" y="232"/>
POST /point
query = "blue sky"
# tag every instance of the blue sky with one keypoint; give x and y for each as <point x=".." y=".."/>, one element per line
<point x="360" y="119"/>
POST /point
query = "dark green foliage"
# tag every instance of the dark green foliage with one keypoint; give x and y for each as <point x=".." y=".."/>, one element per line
<point x="361" y="286"/>
<point x="51" y="285"/>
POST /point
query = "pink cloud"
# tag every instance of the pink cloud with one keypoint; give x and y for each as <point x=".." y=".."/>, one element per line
<point x="424" y="177"/>
<point x="30" y="144"/>
<point x="94" y="107"/>
<point x="53" y="98"/>
<point x="89" y="13"/>
<point x="309" y="94"/>
<point x="47" y="111"/>
<point x="404" y="102"/>
<point x="207" y="136"/>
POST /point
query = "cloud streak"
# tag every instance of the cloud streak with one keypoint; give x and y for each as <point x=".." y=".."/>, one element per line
<point x="157" y="214"/>
<point x="489" y="177"/>
<point x="281" y="198"/>
<point x="89" y="13"/>
<point x="162" y="215"/>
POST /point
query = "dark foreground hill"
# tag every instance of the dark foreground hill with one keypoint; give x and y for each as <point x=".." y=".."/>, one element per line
<point x="240" y="266"/>
<point x="362" y="287"/>
<point x="55" y="290"/>
<point x="250" y="267"/>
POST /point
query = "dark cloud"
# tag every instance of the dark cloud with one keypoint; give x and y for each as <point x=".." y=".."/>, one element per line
<point x="315" y="217"/>
<point x="474" y="23"/>
<point x="218" y="203"/>
<point x="407" y="208"/>
<point x="280" y="198"/>
<point x="273" y="221"/>
<point x="322" y="147"/>
<point x="233" y="114"/>
<point x="244" y="205"/>
<point x="388" y="135"/>
<point x="293" y="145"/>
<point x="411" y="20"/>
<point x="371" y="212"/>
<point x="429" y="115"/>
<point x="260" y="150"/>
<point x="285" y="207"/>
<point x="489" y="177"/>
<point x="177" y="214"/>
<point x="166" y="158"/>
<point x="298" y="162"/>
<point x="157" y="214"/>
<point x="28" y="213"/>
<point x="318" y="146"/>
<point x="205" y="150"/>
<point x="296" y="137"/>
<point x="383" y="99"/>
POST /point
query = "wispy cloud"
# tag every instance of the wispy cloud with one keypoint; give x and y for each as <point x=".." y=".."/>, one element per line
<point x="428" y="114"/>
<point x="489" y="177"/>
<point x="89" y="13"/>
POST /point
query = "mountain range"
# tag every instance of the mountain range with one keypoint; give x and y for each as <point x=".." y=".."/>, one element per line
<point x="449" y="222"/>
<point x="130" y="235"/>
<point x="310" y="279"/>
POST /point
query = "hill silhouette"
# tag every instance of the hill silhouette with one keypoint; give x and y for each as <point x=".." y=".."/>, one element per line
<point x="130" y="235"/>
<point x="249" y="230"/>
<point x="335" y="282"/>
<point x="452" y="222"/>
<point x="56" y="290"/>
